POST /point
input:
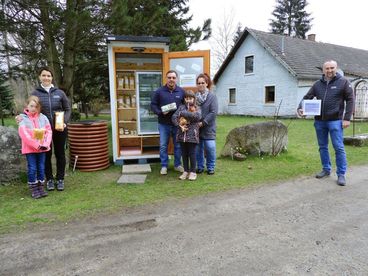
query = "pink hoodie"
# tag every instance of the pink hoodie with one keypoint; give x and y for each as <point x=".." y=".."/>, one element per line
<point x="27" y="125"/>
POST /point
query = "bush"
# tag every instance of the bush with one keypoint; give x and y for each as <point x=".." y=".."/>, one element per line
<point x="75" y="116"/>
<point x="96" y="105"/>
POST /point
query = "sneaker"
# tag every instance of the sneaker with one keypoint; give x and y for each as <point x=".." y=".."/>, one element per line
<point x="341" y="180"/>
<point x="322" y="174"/>
<point x="179" y="169"/>
<point x="163" y="171"/>
<point x="192" y="176"/>
<point x="199" y="171"/>
<point x="60" y="185"/>
<point x="184" y="176"/>
<point x="50" y="185"/>
<point x="210" y="172"/>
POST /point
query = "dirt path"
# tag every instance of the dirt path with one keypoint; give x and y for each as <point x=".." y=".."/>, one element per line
<point x="305" y="226"/>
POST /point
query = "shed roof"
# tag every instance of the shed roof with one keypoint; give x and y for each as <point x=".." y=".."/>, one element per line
<point x="132" y="38"/>
<point x="303" y="58"/>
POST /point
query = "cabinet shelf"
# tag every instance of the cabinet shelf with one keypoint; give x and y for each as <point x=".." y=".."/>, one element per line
<point x="127" y="108"/>
<point x="125" y="90"/>
<point x="122" y="136"/>
<point x="127" y="122"/>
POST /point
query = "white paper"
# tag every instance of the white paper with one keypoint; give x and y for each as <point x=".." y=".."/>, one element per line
<point x="187" y="80"/>
<point x="312" y="107"/>
<point x="180" y="69"/>
<point x="196" y="67"/>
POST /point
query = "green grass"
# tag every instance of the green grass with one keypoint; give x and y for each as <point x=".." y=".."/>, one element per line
<point x="91" y="193"/>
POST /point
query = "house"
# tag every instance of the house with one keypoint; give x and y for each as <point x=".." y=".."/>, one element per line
<point x="267" y="72"/>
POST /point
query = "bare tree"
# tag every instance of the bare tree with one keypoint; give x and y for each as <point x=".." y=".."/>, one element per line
<point x="223" y="38"/>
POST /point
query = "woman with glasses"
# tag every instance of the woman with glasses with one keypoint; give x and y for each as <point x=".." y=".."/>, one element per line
<point x="207" y="132"/>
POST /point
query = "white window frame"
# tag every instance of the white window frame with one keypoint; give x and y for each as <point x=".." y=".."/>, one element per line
<point x="245" y="65"/>
<point x="274" y="94"/>
<point x="229" y="95"/>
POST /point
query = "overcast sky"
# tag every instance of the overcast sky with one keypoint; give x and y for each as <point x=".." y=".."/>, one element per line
<point x="338" y="22"/>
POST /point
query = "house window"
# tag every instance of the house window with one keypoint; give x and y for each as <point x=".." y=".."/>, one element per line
<point x="270" y="94"/>
<point x="249" y="61"/>
<point x="232" y="96"/>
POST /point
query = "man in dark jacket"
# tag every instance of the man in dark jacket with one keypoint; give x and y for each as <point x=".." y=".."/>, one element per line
<point x="165" y="101"/>
<point x="337" y="103"/>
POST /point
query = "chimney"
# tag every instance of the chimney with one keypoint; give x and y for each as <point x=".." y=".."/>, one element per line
<point x="312" y="37"/>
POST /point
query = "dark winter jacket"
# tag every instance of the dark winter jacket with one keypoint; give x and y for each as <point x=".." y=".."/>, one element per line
<point x="164" y="96"/>
<point x="53" y="101"/>
<point x="209" y="111"/>
<point x="192" y="134"/>
<point x="334" y="94"/>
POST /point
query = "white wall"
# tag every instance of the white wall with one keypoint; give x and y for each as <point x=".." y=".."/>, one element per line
<point x="250" y="89"/>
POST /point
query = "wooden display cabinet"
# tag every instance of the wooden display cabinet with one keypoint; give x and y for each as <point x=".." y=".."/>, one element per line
<point x="136" y="69"/>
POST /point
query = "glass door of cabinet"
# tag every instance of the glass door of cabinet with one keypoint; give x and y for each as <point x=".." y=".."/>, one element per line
<point x="147" y="83"/>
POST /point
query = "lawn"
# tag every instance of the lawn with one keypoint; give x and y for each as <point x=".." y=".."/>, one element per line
<point x="92" y="193"/>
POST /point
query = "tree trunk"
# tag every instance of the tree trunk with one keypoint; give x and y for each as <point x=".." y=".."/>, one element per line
<point x="52" y="55"/>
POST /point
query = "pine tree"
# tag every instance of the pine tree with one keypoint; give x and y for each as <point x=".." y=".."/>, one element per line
<point x="157" y="18"/>
<point x="291" y="18"/>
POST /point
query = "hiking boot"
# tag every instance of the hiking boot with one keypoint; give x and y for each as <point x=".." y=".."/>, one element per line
<point x="50" y="185"/>
<point x="179" y="169"/>
<point x="184" y="176"/>
<point x="322" y="174"/>
<point x="341" y="180"/>
<point x="34" y="190"/>
<point x="41" y="188"/>
<point x="163" y="171"/>
<point x="192" y="176"/>
<point x="60" y="185"/>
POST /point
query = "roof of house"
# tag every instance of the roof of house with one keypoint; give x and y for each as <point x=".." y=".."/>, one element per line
<point x="303" y="58"/>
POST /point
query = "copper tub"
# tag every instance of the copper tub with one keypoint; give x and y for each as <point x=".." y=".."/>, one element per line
<point x="89" y="145"/>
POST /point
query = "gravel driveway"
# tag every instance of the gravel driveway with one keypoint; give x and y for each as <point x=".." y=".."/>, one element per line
<point x="301" y="227"/>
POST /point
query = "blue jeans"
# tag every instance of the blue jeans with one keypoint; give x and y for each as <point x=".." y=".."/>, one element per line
<point x="210" y="147"/>
<point x="36" y="167"/>
<point x="336" y="131"/>
<point x="165" y="132"/>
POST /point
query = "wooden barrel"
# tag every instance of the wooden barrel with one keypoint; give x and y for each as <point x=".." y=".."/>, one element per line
<point x="89" y="140"/>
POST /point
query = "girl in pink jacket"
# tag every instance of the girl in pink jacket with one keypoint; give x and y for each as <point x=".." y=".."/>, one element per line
<point x="36" y="134"/>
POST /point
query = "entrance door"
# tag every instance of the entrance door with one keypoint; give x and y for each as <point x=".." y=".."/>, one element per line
<point x="188" y="65"/>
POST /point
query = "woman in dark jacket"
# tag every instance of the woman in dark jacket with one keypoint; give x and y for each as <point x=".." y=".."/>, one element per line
<point x="54" y="100"/>
<point x="207" y="132"/>
<point x="187" y="117"/>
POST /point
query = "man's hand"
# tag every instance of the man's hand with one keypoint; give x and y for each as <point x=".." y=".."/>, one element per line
<point x="300" y="114"/>
<point x="345" y="124"/>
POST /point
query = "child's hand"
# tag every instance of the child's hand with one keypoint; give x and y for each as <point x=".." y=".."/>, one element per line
<point x="183" y="128"/>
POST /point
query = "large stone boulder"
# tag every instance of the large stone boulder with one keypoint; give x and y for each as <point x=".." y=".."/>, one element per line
<point x="10" y="154"/>
<point x="257" y="139"/>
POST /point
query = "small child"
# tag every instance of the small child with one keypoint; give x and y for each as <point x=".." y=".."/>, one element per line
<point x="36" y="134"/>
<point x="187" y="117"/>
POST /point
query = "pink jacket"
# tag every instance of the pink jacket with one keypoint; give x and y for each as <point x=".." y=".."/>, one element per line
<point x="27" y="125"/>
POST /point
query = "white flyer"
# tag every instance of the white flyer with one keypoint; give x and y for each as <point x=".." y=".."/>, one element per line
<point x="312" y="107"/>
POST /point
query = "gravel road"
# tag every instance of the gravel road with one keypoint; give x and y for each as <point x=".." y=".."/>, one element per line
<point x="301" y="227"/>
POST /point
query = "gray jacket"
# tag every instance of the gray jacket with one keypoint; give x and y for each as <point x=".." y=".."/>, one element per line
<point x="209" y="111"/>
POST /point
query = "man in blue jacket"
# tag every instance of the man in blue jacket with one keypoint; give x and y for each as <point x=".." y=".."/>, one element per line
<point x="337" y="104"/>
<point x="164" y="102"/>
